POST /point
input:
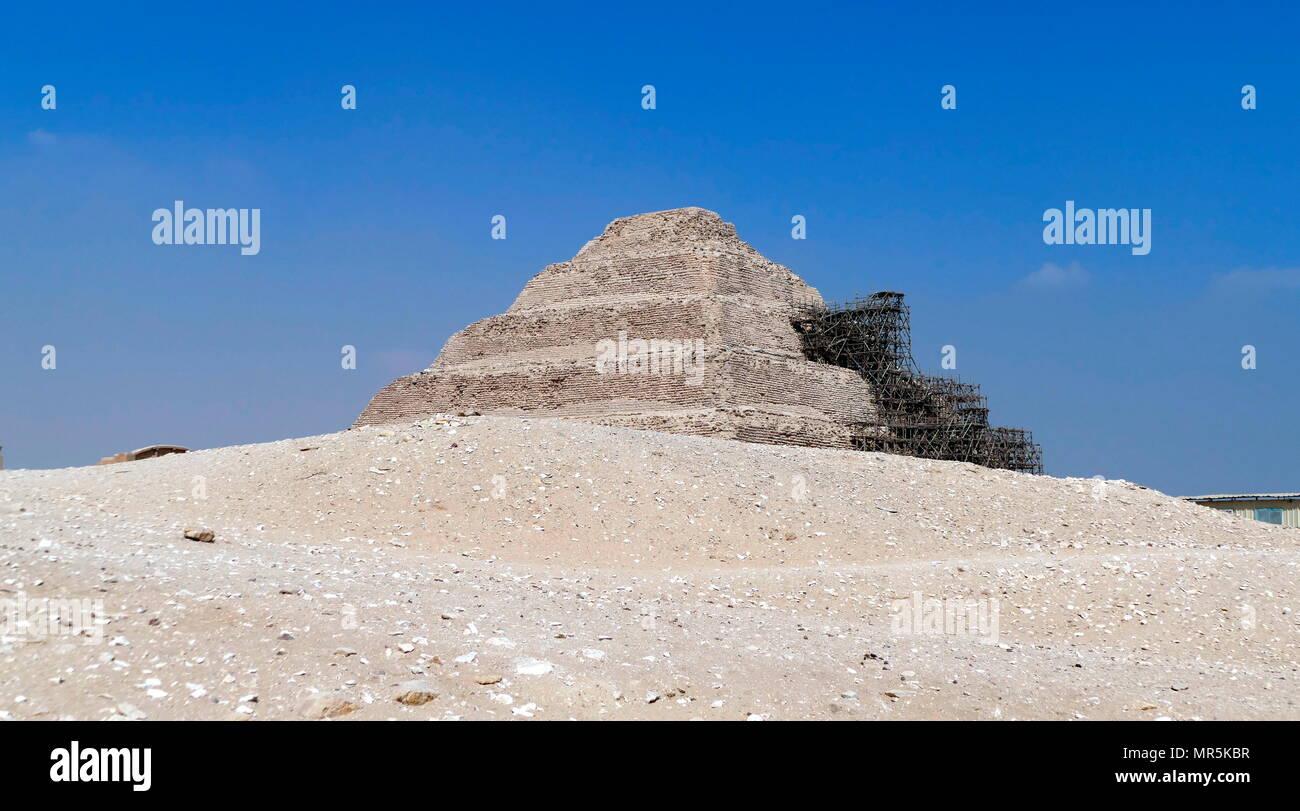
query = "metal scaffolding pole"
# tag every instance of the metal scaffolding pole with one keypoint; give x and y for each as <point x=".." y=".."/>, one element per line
<point x="919" y="415"/>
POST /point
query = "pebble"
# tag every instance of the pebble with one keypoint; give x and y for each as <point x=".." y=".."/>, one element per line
<point x="533" y="667"/>
<point x="415" y="693"/>
<point x="326" y="705"/>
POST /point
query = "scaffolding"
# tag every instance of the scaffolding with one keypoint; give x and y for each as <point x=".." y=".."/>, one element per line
<point x="918" y="415"/>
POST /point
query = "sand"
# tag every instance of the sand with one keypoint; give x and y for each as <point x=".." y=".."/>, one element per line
<point x="504" y="568"/>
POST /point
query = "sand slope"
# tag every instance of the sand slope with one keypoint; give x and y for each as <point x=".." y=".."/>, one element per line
<point x="598" y="572"/>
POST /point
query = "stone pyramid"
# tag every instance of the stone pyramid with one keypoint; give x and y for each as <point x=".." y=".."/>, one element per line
<point x="666" y="321"/>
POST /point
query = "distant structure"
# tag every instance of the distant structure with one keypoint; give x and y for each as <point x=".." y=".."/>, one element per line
<point x="669" y="321"/>
<point x="1282" y="509"/>
<point x="142" y="453"/>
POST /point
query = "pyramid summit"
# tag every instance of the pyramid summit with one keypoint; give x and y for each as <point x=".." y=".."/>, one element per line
<point x="669" y="321"/>
<point x="668" y="233"/>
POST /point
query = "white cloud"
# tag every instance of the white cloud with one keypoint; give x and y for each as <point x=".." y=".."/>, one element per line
<point x="1052" y="275"/>
<point x="1265" y="279"/>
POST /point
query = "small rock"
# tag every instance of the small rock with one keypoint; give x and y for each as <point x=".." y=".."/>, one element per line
<point x="533" y="667"/>
<point x="131" y="712"/>
<point x="415" y="693"/>
<point x="326" y="705"/>
<point x="200" y="535"/>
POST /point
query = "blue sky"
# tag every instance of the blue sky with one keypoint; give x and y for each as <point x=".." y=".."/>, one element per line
<point x="375" y="222"/>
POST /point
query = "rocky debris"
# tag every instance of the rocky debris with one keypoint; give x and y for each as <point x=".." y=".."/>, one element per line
<point x="415" y="693"/>
<point x="326" y="705"/>
<point x="200" y="535"/>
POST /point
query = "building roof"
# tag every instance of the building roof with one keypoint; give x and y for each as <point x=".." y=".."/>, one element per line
<point x="1247" y="497"/>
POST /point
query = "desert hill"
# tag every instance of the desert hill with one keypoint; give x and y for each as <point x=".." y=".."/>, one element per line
<point x="551" y="569"/>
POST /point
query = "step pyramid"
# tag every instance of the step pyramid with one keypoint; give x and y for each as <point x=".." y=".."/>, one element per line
<point x="666" y="321"/>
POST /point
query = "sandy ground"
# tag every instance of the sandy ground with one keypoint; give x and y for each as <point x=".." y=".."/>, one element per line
<point x="497" y="568"/>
